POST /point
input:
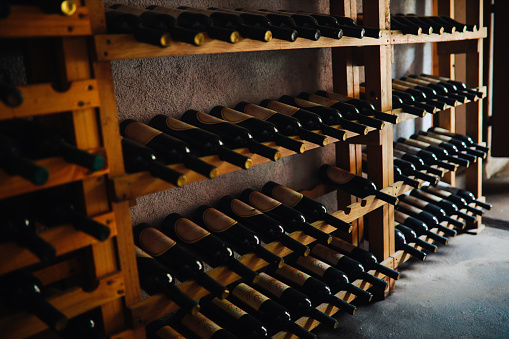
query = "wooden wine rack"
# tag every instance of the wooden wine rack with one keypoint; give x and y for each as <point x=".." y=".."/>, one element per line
<point x="84" y="54"/>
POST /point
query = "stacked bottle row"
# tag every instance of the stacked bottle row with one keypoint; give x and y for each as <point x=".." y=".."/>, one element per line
<point x="62" y="7"/>
<point x="416" y="25"/>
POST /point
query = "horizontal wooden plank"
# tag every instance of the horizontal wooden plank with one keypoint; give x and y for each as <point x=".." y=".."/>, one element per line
<point x="44" y="99"/>
<point x="64" y="238"/>
<point x="399" y="38"/>
<point x="60" y="172"/>
<point x="71" y="303"/>
<point x="31" y="21"/>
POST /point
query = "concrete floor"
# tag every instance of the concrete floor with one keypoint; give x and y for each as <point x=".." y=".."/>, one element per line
<point x="462" y="291"/>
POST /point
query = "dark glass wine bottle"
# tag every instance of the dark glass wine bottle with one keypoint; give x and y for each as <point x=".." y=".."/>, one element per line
<point x="325" y="20"/>
<point x="262" y="131"/>
<point x="83" y="326"/>
<point x="419" y="226"/>
<point x="459" y="85"/>
<point x="209" y="247"/>
<point x="163" y="22"/>
<point x="408" y="168"/>
<point x="167" y="149"/>
<point x="431" y="208"/>
<point x="200" y="326"/>
<point x="402" y="245"/>
<point x="430" y="219"/>
<point x="407" y="159"/>
<point x="232" y="21"/>
<point x="467" y="195"/>
<point x="119" y="22"/>
<point x="287" y="125"/>
<point x="202" y="142"/>
<point x="266" y="227"/>
<point x="62" y="7"/>
<point x="411" y="236"/>
<point x="459" y="26"/>
<point x="309" y="120"/>
<point x="353" y="184"/>
<point x="40" y="141"/>
<point x="458" y="143"/>
<point x="406" y="101"/>
<point x="466" y="139"/>
<point x="139" y="158"/>
<point x="155" y="278"/>
<point x="367" y="259"/>
<point x="471" y="95"/>
<point x="292" y="219"/>
<point x="236" y="235"/>
<point x="297" y="303"/>
<point x="420" y="99"/>
<point x="399" y="176"/>
<point x="399" y="24"/>
<point x="450" y="148"/>
<point x="447" y="28"/>
<point x="368" y="31"/>
<point x="428" y="91"/>
<point x="234" y="136"/>
<point x="454" y="198"/>
<point x="10" y="95"/>
<point x="316" y="290"/>
<point x="178" y="259"/>
<point x="427" y="28"/>
<point x="233" y="318"/>
<point x="428" y="157"/>
<point x="308" y="21"/>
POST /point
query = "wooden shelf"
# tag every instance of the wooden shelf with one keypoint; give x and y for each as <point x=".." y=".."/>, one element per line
<point x="396" y="37"/>
<point x="31" y="22"/>
<point x="44" y="99"/>
<point x="60" y="172"/>
<point x="64" y="238"/>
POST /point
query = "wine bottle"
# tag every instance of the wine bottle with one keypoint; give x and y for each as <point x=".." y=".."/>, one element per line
<point x="232" y="21"/>
<point x="399" y="176"/>
<point x="402" y="245"/>
<point x="287" y="125"/>
<point x="266" y="227"/>
<point x="428" y="157"/>
<point x="454" y="198"/>
<point x="14" y="163"/>
<point x="234" y="136"/>
<point x="439" y="152"/>
<point x="367" y="259"/>
<point x="406" y="101"/>
<point x="428" y="91"/>
<point x="472" y="96"/>
<point x="467" y="195"/>
<point x="450" y="148"/>
<point x="410" y="107"/>
<point x="419" y="98"/>
<point x="163" y="22"/>
<point x="309" y="120"/>
<point x="292" y="219"/>
<point x="308" y="21"/>
<point x="459" y="85"/>
<point x="262" y="131"/>
<point x="10" y="95"/>
<point x="430" y="219"/>
<point x="353" y="184"/>
<point x="458" y="143"/>
<point x="408" y="168"/>
<point x="202" y="142"/>
<point x="62" y="7"/>
<point x="411" y="236"/>
<point x="447" y="28"/>
<point x="201" y="326"/>
<point x="258" y="20"/>
<point x="347" y="110"/>
<point x="439" y="89"/>
<point x="353" y="269"/>
<point x="119" y="22"/>
<point x="437" y="211"/>
<point x="330" y="21"/>
<point x="198" y="22"/>
<point x="281" y="20"/>
<point x="316" y="290"/>
<point x="368" y="31"/>
<point x="83" y="326"/>
<point x="419" y="226"/>
<point x="449" y="207"/>
<point x="459" y="26"/>
<point x="417" y="162"/>
<point x="236" y="235"/>
<point x="176" y="258"/>
<point x="39" y="141"/>
<point x="155" y="278"/>
<point x="406" y="28"/>
<point x="365" y="108"/>
<point x="209" y="247"/>
<point x="427" y="28"/>
<point x="24" y="291"/>
<point x="160" y="329"/>
<point x="466" y="139"/>
<point x="269" y="311"/>
<point x="138" y="158"/>
<point x="311" y="209"/>
<point x="336" y="279"/>
<point x="167" y="149"/>
<point x="233" y="318"/>
<point x="297" y="303"/>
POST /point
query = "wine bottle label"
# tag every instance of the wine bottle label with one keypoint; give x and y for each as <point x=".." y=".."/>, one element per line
<point x="400" y="217"/>
<point x="287" y="196"/>
<point x="414" y="201"/>
<point x="249" y="295"/>
<point x="207" y="119"/>
<point x="178" y="125"/>
<point x="189" y="232"/>
<point x="438" y="191"/>
<point x="327" y="254"/>
<point x="272" y="285"/>
<point x="439" y="136"/>
<point x="342" y="245"/>
<point x="259" y="112"/>
<point x="200" y="325"/>
<point x="409" y="208"/>
<point x="305" y="103"/>
<point x="399" y="87"/>
<point x="282" y="108"/>
<point x="263" y="202"/>
<point x="398" y="153"/>
<point x="430" y="196"/>
<point x="293" y="274"/>
<point x="322" y="100"/>
<point x="406" y="84"/>
<point x="233" y="116"/>
<point x="406" y="148"/>
<point x="314" y="265"/>
<point x="217" y="221"/>
<point x="429" y="140"/>
<point x="141" y="133"/>
<point x="167" y="332"/>
<point x="154" y="242"/>
<point x="417" y="143"/>
<point x="243" y="210"/>
<point x="338" y="175"/>
<point x="229" y="308"/>
<point x="141" y="253"/>
<point x="338" y="97"/>
<point x="444" y="131"/>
